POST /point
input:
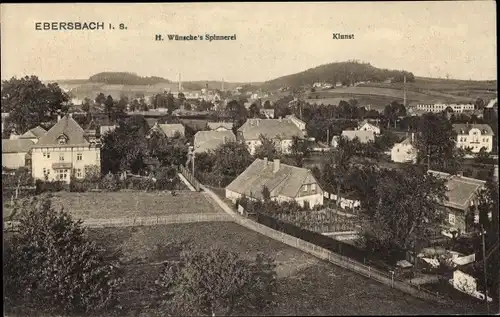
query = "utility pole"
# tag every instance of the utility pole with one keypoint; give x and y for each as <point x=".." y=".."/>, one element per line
<point x="327" y="136"/>
<point x="485" y="271"/>
<point x="404" y="90"/>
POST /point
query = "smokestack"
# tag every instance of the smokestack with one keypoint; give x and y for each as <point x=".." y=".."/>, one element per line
<point x="180" y="83"/>
<point x="276" y="165"/>
<point x="412" y="137"/>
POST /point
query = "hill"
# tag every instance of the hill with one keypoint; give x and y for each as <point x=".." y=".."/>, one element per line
<point x="124" y="78"/>
<point x="344" y="72"/>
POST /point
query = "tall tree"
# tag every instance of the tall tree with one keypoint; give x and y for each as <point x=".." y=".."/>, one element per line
<point x="109" y="107"/>
<point x="416" y="196"/>
<point x="31" y="102"/>
<point x="100" y="99"/>
<point x="218" y="283"/>
<point x="436" y="142"/>
<point x="254" y="111"/>
<point x="51" y="266"/>
<point x="267" y="148"/>
<point x="230" y="160"/>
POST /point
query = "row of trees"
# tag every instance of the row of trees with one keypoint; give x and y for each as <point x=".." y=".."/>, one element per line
<point x="53" y="267"/>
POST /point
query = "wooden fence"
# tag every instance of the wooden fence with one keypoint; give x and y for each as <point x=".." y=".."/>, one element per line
<point x="190" y="178"/>
<point x="326" y="220"/>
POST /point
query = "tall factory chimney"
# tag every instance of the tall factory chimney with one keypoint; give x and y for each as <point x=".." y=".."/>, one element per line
<point x="180" y="83"/>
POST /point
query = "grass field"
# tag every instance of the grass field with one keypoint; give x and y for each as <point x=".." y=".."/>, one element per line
<point x="133" y="204"/>
<point x="306" y="285"/>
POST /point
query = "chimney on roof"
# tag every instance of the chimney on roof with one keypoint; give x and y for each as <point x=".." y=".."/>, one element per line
<point x="58" y="118"/>
<point x="276" y="165"/>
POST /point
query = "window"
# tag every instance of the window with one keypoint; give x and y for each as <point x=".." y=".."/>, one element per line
<point x="79" y="173"/>
<point x="313" y="187"/>
<point x="397" y="150"/>
<point x="61" y="156"/>
<point x="305" y="188"/>
<point x="46" y="154"/>
<point x="79" y="157"/>
<point x="451" y="219"/>
<point x="62" y="174"/>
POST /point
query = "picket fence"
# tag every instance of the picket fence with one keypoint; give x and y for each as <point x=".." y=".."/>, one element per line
<point x="191" y="179"/>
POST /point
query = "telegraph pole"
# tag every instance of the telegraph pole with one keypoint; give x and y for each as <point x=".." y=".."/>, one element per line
<point x="485" y="271"/>
<point x="404" y="91"/>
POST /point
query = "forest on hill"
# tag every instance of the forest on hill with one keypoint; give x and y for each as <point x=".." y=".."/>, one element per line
<point x="125" y="78"/>
<point x="348" y="73"/>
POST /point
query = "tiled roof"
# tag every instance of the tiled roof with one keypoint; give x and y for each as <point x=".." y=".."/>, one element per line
<point x="270" y="128"/>
<point x="66" y="126"/>
<point x="169" y="129"/>
<point x="484" y="128"/>
<point x="36" y="132"/>
<point x="461" y="190"/>
<point x="210" y="140"/>
<point x="362" y="123"/>
<point x="364" y="136"/>
<point x="287" y="181"/>
<point x="16" y="146"/>
<point x="215" y="125"/>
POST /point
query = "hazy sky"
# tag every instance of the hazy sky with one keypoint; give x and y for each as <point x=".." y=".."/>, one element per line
<point x="273" y="39"/>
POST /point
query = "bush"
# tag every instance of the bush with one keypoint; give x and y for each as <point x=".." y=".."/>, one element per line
<point x="110" y="183"/>
<point x="50" y="186"/>
<point x="140" y="183"/>
<point x="51" y="266"/>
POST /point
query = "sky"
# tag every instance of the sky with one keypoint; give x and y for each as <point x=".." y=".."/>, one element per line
<point x="431" y="39"/>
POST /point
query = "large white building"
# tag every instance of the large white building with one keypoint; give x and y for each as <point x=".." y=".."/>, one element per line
<point x="439" y="107"/>
<point x="367" y="126"/>
<point x="281" y="131"/>
<point x="474" y="137"/>
<point x="63" y="151"/>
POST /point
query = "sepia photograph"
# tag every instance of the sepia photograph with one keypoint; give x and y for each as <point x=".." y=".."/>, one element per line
<point x="250" y="159"/>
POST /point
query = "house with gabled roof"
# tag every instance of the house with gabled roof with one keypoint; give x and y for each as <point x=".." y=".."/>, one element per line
<point x="281" y="131"/>
<point x="367" y="126"/>
<point x="16" y="152"/>
<point x="65" y="150"/>
<point x="205" y="141"/>
<point x="168" y="129"/>
<point x="284" y="182"/>
<point x="405" y="151"/>
<point x="462" y="194"/>
<point x="33" y="134"/>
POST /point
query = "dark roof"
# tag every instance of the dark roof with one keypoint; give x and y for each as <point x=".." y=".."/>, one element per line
<point x="36" y="132"/>
<point x="287" y="181"/>
<point x="16" y="146"/>
<point x="68" y="127"/>
<point x="461" y="190"/>
<point x="485" y="129"/>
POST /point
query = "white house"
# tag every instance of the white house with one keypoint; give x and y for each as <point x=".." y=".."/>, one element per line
<point x="438" y="107"/>
<point x="405" y="152"/>
<point x="474" y="137"/>
<point x="367" y="126"/>
<point x="64" y="150"/>
<point x="281" y="131"/>
<point x="466" y="283"/>
<point x="284" y="182"/>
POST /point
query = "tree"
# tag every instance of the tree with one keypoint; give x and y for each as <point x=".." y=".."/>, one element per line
<point x="181" y="97"/>
<point x="353" y="102"/>
<point x="407" y="208"/>
<point x="121" y="106"/>
<point x="109" y="106"/>
<point x="100" y="99"/>
<point x="299" y="150"/>
<point x="385" y="141"/>
<point x="267" y="105"/>
<point x="218" y="283"/>
<point x="168" y="150"/>
<point x="86" y="104"/>
<point x="229" y="161"/>
<point x="479" y="104"/>
<point x="126" y="147"/>
<point x="253" y="111"/>
<point x="482" y="156"/>
<point x="30" y="102"/>
<point x="51" y="266"/>
<point x="436" y="142"/>
<point x="267" y="149"/>
<point x="171" y="104"/>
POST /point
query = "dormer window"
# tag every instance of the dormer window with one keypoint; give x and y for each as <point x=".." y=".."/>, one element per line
<point x="62" y="139"/>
